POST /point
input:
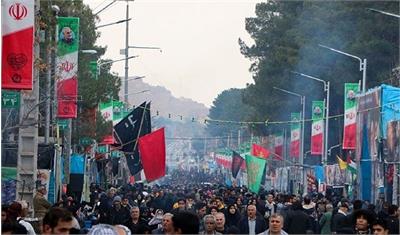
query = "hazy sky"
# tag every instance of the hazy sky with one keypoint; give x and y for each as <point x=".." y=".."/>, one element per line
<point x="199" y="39"/>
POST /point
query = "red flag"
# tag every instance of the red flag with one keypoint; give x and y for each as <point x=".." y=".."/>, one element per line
<point x="258" y="151"/>
<point x="152" y="154"/>
<point x="17" y="29"/>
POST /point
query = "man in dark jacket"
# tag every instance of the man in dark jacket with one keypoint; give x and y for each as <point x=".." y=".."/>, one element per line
<point x="297" y="222"/>
<point x="341" y="223"/>
<point x="118" y="213"/>
<point x="252" y="224"/>
<point x="393" y="219"/>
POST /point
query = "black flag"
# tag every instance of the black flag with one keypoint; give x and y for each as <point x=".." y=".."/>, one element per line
<point x="126" y="132"/>
<point x="237" y="161"/>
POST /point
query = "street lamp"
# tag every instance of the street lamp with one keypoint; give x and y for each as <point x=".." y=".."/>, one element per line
<point x="363" y="64"/>
<point x="326" y="89"/>
<point x="112" y="61"/>
<point x="139" y="92"/>
<point x="92" y="52"/>
<point x="116" y="22"/>
<point x="302" y="101"/>
<point x="126" y="52"/>
<point x="383" y="12"/>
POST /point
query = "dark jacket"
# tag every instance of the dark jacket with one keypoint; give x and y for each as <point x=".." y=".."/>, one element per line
<point x="297" y="222"/>
<point x="120" y="216"/>
<point x="393" y="224"/>
<point x="261" y="225"/>
<point x="341" y="224"/>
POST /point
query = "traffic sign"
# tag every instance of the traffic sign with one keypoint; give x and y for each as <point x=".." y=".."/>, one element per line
<point x="10" y="99"/>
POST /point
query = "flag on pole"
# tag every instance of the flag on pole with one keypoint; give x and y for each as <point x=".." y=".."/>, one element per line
<point x="295" y="135"/>
<point x="350" y="115"/>
<point x="351" y="166"/>
<point x="342" y="164"/>
<point x="237" y="162"/>
<point x="67" y="66"/>
<point x="152" y="154"/>
<point x="255" y="170"/>
<point x="259" y="151"/>
<point x="278" y="142"/>
<point x="17" y="47"/>
<point x="128" y="131"/>
<point x="317" y="132"/>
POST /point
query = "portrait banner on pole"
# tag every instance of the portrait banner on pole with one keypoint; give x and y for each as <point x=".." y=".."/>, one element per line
<point x="67" y="66"/>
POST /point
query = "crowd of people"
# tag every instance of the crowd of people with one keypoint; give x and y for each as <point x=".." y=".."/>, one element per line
<point x="195" y="203"/>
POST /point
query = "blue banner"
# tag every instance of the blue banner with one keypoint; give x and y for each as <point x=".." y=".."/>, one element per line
<point x="365" y="166"/>
<point x="77" y="164"/>
<point x="390" y="106"/>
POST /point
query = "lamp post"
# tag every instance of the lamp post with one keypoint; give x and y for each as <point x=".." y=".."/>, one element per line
<point x="302" y="101"/>
<point x="139" y="92"/>
<point x="113" y="23"/>
<point x="326" y="89"/>
<point x="383" y="12"/>
<point x="363" y="64"/>
<point x="126" y="52"/>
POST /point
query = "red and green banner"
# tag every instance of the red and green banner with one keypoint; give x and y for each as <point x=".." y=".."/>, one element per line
<point x="350" y="115"/>
<point x="17" y="47"/>
<point x="278" y="143"/>
<point x="255" y="170"/>
<point x="67" y="66"/>
<point x="317" y="132"/>
<point x="295" y="135"/>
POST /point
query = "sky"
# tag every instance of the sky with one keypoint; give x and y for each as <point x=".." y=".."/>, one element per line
<point x="200" y="55"/>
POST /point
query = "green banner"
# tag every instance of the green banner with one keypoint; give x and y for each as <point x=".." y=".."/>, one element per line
<point x="10" y="99"/>
<point x="295" y="118"/>
<point x="68" y="35"/>
<point x="318" y="110"/>
<point x="93" y="69"/>
<point x="255" y="170"/>
<point x="350" y="91"/>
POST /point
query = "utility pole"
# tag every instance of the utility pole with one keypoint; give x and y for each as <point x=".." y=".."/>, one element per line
<point x="28" y="133"/>
<point x="126" y="53"/>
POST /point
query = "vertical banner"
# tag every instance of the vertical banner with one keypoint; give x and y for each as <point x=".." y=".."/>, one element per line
<point x="369" y="115"/>
<point x="67" y="66"/>
<point x="295" y="135"/>
<point x="17" y="25"/>
<point x="350" y="115"/>
<point x="317" y="132"/>
<point x="278" y="144"/>
<point x="255" y="170"/>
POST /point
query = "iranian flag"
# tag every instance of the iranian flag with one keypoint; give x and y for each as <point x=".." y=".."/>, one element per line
<point x="350" y="115"/>
<point x="278" y="143"/>
<point x="17" y="48"/>
<point x="113" y="111"/>
<point x="317" y="132"/>
<point x="295" y="135"/>
<point x="106" y="110"/>
<point x="67" y="66"/>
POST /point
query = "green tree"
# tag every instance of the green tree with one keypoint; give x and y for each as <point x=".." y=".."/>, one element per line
<point x="228" y="106"/>
<point x="286" y="36"/>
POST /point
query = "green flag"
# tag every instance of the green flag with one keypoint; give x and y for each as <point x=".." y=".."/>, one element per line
<point x="255" y="169"/>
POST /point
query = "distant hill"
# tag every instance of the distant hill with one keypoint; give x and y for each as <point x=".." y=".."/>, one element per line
<point x="163" y="101"/>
